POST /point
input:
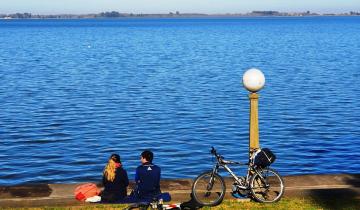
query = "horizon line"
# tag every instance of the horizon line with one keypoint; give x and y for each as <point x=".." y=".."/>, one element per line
<point x="184" y="13"/>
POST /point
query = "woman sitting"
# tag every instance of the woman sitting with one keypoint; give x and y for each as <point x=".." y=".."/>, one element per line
<point x="115" y="181"/>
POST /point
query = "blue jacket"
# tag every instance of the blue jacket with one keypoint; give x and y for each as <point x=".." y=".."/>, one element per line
<point x="147" y="180"/>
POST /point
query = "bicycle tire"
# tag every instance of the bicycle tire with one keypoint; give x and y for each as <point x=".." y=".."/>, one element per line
<point x="263" y="193"/>
<point x="208" y="197"/>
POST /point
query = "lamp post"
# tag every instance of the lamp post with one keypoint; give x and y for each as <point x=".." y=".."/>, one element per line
<point x="253" y="81"/>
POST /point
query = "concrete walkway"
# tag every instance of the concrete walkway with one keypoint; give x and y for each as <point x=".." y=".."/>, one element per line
<point x="314" y="186"/>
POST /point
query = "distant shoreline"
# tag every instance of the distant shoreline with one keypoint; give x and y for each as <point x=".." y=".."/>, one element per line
<point x="117" y="15"/>
<point x="175" y="17"/>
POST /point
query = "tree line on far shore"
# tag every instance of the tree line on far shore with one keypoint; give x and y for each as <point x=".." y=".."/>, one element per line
<point x="114" y="14"/>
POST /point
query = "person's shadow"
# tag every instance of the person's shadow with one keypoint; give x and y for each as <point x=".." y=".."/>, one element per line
<point x="339" y="198"/>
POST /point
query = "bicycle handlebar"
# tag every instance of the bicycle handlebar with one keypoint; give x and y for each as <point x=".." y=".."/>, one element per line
<point x="213" y="151"/>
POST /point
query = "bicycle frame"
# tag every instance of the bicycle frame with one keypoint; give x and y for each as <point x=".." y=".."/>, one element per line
<point x="221" y="163"/>
<point x="235" y="177"/>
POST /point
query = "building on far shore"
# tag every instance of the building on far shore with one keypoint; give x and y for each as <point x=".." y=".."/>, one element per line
<point x="276" y="13"/>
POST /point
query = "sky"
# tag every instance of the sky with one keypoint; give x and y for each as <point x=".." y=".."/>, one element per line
<point x="183" y="6"/>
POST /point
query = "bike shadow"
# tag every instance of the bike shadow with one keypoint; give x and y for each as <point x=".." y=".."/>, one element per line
<point x="190" y="204"/>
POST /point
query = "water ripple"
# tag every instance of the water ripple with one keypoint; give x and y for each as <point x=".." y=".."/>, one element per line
<point x="80" y="90"/>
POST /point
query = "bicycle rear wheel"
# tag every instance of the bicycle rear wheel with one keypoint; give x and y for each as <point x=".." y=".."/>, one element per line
<point x="209" y="190"/>
<point x="267" y="186"/>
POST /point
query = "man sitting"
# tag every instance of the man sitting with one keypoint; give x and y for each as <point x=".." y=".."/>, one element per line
<point x="147" y="177"/>
<point x="147" y="183"/>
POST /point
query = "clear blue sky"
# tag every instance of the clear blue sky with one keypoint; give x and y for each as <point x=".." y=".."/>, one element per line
<point x="183" y="6"/>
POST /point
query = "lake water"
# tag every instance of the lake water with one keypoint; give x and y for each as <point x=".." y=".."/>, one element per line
<point x="74" y="91"/>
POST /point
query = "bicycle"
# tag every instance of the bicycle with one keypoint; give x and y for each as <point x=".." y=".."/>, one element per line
<point x="261" y="183"/>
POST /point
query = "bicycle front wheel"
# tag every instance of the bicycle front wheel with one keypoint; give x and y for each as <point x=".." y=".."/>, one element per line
<point x="267" y="186"/>
<point x="209" y="189"/>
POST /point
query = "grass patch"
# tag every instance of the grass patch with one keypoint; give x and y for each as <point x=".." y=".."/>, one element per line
<point x="284" y="204"/>
<point x="287" y="204"/>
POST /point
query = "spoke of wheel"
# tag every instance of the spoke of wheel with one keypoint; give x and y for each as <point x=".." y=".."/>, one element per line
<point x="269" y="188"/>
<point x="202" y="192"/>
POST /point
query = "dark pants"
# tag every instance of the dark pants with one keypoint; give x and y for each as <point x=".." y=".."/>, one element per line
<point x="146" y="199"/>
<point x="111" y="197"/>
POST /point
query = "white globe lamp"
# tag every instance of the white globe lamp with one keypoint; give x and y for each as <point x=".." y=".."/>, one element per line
<point x="253" y="80"/>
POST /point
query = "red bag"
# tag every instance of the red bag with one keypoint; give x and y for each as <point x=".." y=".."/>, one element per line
<point x="86" y="191"/>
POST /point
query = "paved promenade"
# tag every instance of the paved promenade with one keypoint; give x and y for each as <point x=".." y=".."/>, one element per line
<point x="305" y="186"/>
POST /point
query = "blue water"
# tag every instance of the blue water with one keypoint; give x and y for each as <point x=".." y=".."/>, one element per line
<point x="74" y="91"/>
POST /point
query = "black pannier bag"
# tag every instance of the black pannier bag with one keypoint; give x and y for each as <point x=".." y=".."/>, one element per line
<point x="264" y="157"/>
